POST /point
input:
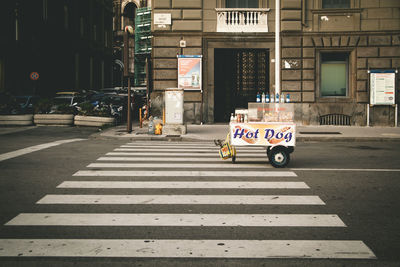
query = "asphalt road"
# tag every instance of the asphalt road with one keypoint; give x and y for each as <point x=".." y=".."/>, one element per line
<point x="358" y="182"/>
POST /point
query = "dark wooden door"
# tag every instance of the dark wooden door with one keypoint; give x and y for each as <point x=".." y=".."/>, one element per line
<point x="239" y="74"/>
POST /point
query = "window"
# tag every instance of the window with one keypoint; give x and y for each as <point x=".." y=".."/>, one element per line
<point x="241" y="3"/>
<point x="335" y="3"/>
<point x="334" y="74"/>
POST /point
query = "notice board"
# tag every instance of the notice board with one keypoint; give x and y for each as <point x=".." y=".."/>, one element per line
<point x="189" y="72"/>
<point x="382" y="87"/>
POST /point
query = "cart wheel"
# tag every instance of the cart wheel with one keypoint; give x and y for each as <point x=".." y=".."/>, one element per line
<point x="268" y="150"/>
<point x="279" y="157"/>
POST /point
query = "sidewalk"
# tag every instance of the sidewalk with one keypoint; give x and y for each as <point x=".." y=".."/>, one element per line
<point x="209" y="132"/>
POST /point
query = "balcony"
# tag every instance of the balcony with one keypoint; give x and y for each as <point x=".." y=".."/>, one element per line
<point x="242" y="19"/>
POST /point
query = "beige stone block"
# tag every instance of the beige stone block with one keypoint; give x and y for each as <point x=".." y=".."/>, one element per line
<point x="390" y="24"/>
<point x="290" y="86"/>
<point x="379" y="13"/>
<point x="389" y="51"/>
<point x="367" y="52"/>
<point x="379" y="40"/>
<point x="369" y="4"/>
<point x="337" y="23"/>
<point x="193" y="40"/>
<point x="291" y="4"/>
<point x="186" y="25"/>
<point x="308" y="74"/>
<point x="166" y="52"/>
<point x="161" y="85"/>
<point x="308" y="63"/>
<point x="209" y="15"/>
<point x="362" y="97"/>
<point x="335" y="40"/>
<point x="210" y="4"/>
<point x="165" y="74"/>
<point x="361" y="86"/>
<point x="287" y="26"/>
<point x="396" y="63"/>
<point x="327" y="41"/>
<point x="362" y="41"/>
<point x="288" y="75"/>
<point x="395" y="39"/>
<point x="308" y="42"/>
<point x="362" y="74"/>
<point x="186" y="4"/>
<point x="291" y="52"/>
<point x="209" y="26"/>
<point x="354" y="40"/>
<point x="379" y="63"/>
<point x="361" y="63"/>
<point x="370" y="25"/>
<point x="344" y="40"/>
<point x="291" y="41"/>
<point x="308" y="52"/>
<point x="166" y="41"/>
<point x="161" y="4"/>
<point x="308" y="86"/>
<point x="192" y="96"/>
<point x="192" y="14"/>
<point x="308" y="97"/>
<point x="165" y="63"/>
<point x="389" y="3"/>
<point x="291" y="15"/>
<point x="192" y="51"/>
<point x="317" y="41"/>
<point x="159" y="28"/>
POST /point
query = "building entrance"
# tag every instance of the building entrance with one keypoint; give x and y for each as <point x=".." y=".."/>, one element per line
<point x="238" y="74"/>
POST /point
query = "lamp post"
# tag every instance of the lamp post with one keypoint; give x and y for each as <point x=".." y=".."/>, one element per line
<point x="128" y="31"/>
<point x="277" y="47"/>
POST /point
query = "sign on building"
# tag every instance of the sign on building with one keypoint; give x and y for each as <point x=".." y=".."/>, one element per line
<point x="382" y="87"/>
<point x="189" y="72"/>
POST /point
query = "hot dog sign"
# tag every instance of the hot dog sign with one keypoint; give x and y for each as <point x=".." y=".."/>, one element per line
<point x="261" y="134"/>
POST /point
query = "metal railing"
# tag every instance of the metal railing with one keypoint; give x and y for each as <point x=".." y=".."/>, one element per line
<point x="334" y="119"/>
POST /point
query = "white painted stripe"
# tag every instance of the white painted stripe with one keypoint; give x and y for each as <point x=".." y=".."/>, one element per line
<point x="31" y="149"/>
<point x="179" y="154"/>
<point x="226" y="164"/>
<point x="199" y="150"/>
<point x="180" y="159"/>
<point x="119" y="219"/>
<point x="183" y="199"/>
<point x="167" y="248"/>
<point x="203" y="146"/>
<point x="164" y="173"/>
<point x="183" y="185"/>
<point x="345" y="170"/>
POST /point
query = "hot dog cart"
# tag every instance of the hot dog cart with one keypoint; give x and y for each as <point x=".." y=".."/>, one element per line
<point x="269" y="125"/>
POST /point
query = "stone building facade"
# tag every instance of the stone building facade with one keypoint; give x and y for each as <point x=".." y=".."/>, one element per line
<point x="325" y="44"/>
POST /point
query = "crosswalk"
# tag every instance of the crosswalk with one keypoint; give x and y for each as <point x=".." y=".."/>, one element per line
<point x="182" y="175"/>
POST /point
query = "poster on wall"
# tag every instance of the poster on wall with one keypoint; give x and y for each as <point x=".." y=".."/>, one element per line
<point x="189" y="72"/>
<point x="382" y="87"/>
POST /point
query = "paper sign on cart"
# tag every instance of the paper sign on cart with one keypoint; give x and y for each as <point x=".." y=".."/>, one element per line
<point x="263" y="134"/>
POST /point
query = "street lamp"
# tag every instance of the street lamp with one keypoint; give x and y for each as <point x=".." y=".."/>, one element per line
<point x="128" y="31"/>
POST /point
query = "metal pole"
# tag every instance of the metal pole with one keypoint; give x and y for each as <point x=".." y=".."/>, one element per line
<point x="126" y="74"/>
<point x="367" y="114"/>
<point x="395" y="115"/>
<point x="277" y="47"/>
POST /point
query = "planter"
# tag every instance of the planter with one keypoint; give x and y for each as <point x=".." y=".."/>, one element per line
<point x="23" y="120"/>
<point x="93" y="121"/>
<point x="54" y="119"/>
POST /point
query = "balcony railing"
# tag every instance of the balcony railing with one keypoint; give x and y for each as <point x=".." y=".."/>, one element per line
<point x="242" y="19"/>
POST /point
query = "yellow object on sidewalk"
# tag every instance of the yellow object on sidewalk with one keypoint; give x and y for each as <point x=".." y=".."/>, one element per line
<point x="158" y="129"/>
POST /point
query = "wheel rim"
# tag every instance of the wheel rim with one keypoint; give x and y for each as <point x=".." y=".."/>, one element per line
<point x="279" y="157"/>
